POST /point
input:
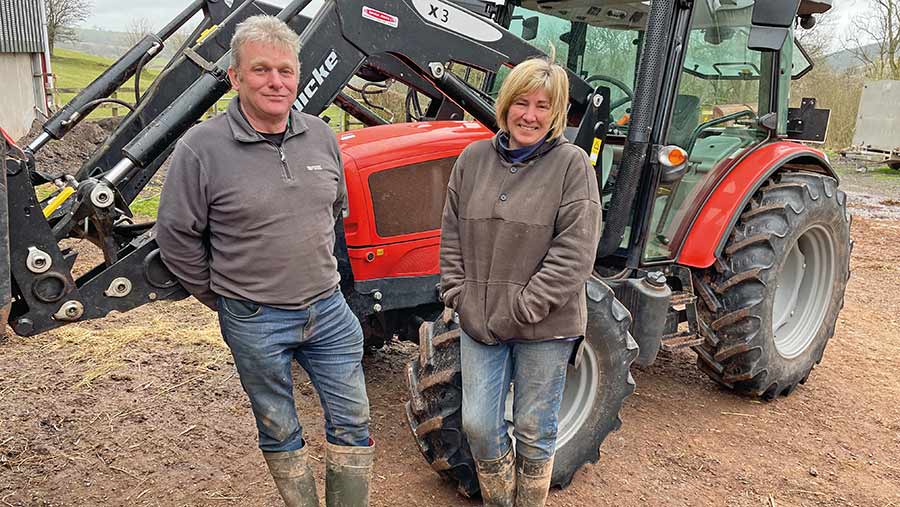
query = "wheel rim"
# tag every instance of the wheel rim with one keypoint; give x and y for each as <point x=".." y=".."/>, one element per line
<point x="578" y="397"/>
<point x="803" y="292"/>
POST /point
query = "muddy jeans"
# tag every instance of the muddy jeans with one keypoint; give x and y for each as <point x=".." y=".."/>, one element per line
<point x="538" y="372"/>
<point x="326" y="340"/>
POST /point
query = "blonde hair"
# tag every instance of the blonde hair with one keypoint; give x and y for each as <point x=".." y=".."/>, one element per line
<point x="528" y="76"/>
<point x="264" y="29"/>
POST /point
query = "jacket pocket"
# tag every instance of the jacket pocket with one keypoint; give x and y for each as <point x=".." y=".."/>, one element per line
<point x="240" y="309"/>
<point x="460" y="298"/>
<point x="470" y="305"/>
<point x="501" y="317"/>
<point x="518" y="308"/>
<point x="460" y="301"/>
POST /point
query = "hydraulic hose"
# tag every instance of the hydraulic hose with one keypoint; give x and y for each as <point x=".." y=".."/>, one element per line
<point x="108" y="82"/>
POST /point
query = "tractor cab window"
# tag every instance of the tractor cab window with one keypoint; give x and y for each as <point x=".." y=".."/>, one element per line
<point x="723" y="90"/>
<point x="600" y="46"/>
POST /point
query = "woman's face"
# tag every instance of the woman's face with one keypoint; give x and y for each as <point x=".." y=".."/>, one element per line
<point x="529" y="118"/>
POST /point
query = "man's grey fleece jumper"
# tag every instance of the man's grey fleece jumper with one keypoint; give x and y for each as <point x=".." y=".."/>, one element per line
<point x="243" y="218"/>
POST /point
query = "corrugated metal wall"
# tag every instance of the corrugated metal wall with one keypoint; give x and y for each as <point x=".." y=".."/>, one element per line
<point x="20" y="26"/>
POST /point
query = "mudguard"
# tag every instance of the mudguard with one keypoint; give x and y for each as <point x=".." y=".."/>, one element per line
<point x="709" y="231"/>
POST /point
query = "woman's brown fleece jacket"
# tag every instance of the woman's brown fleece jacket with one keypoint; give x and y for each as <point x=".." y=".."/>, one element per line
<point x="518" y="242"/>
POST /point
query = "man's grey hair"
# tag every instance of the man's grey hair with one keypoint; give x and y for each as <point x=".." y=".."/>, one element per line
<point x="264" y="29"/>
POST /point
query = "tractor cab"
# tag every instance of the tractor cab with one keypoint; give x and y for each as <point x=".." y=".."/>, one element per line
<point x="717" y="99"/>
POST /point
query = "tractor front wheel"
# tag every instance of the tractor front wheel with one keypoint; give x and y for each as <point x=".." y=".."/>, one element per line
<point x="773" y="296"/>
<point x="589" y="411"/>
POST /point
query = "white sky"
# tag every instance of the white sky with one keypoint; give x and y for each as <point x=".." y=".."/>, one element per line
<point x="116" y="14"/>
<point x="842" y="15"/>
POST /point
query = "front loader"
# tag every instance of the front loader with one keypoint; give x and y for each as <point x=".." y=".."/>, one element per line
<point x="721" y="233"/>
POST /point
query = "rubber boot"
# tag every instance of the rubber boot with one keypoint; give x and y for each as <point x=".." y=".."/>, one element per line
<point x="497" y="479"/>
<point x="533" y="481"/>
<point x="293" y="477"/>
<point x="348" y="472"/>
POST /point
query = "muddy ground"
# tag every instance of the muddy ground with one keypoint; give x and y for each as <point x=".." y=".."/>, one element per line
<point x="145" y="408"/>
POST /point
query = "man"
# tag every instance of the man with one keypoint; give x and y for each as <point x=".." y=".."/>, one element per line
<point x="246" y="223"/>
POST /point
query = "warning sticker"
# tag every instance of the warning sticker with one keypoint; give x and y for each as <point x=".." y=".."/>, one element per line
<point x="380" y="17"/>
<point x="595" y="150"/>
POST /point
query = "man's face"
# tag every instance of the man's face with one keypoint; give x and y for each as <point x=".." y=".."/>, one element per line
<point x="266" y="81"/>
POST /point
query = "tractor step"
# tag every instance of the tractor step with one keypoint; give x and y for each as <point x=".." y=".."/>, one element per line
<point x="675" y="341"/>
<point x="682" y="298"/>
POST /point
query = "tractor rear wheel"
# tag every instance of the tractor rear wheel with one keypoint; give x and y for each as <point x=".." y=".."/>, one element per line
<point x="592" y="398"/>
<point x="773" y="296"/>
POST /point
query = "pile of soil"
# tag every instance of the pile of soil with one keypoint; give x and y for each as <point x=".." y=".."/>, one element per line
<point x="66" y="155"/>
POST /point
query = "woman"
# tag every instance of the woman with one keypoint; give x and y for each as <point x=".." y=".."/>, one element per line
<point x="519" y="235"/>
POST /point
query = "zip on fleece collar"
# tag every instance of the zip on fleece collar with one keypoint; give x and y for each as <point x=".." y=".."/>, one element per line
<point x="245" y="133"/>
<point x="501" y="140"/>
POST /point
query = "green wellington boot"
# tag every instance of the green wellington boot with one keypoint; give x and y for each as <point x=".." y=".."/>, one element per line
<point x="532" y="481"/>
<point x="348" y="472"/>
<point x="497" y="479"/>
<point x="293" y="477"/>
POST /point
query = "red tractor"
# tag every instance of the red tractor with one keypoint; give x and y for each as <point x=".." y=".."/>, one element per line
<point x="721" y="233"/>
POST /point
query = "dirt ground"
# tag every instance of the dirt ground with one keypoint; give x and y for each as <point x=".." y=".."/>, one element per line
<point x="145" y="408"/>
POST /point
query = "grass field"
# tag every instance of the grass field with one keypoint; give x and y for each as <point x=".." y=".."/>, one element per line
<point x="77" y="70"/>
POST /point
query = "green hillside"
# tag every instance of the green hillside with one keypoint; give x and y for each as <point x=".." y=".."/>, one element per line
<point x="74" y="70"/>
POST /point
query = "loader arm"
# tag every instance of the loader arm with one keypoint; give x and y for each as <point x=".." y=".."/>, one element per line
<point x="407" y="40"/>
<point x="182" y="71"/>
<point x="188" y="67"/>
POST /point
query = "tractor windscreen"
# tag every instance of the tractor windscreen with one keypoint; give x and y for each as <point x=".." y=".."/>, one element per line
<point x="603" y="52"/>
<point x="724" y="89"/>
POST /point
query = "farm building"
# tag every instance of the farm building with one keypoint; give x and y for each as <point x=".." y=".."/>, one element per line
<point x="25" y="64"/>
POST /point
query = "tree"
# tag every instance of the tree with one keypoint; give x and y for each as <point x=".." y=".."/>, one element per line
<point x="137" y="29"/>
<point x="837" y="91"/>
<point x="818" y="41"/>
<point x="62" y="17"/>
<point x="177" y="39"/>
<point x="875" y="39"/>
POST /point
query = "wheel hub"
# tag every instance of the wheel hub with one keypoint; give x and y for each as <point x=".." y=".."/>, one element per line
<point x="803" y="292"/>
<point x="579" y="395"/>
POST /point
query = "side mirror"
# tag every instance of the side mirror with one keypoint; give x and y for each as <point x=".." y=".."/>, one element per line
<point x="530" y="28"/>
<point x="771" y="22"/>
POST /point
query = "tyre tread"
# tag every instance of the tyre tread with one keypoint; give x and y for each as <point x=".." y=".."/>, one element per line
<point x="740" y="276"/>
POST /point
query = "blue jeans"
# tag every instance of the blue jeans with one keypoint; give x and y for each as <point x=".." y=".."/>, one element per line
<point x="326" y="340"/>
<point x="538" y="372"/>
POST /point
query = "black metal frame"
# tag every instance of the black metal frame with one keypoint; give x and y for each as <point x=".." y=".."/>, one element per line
<point x="337" y="44"/>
